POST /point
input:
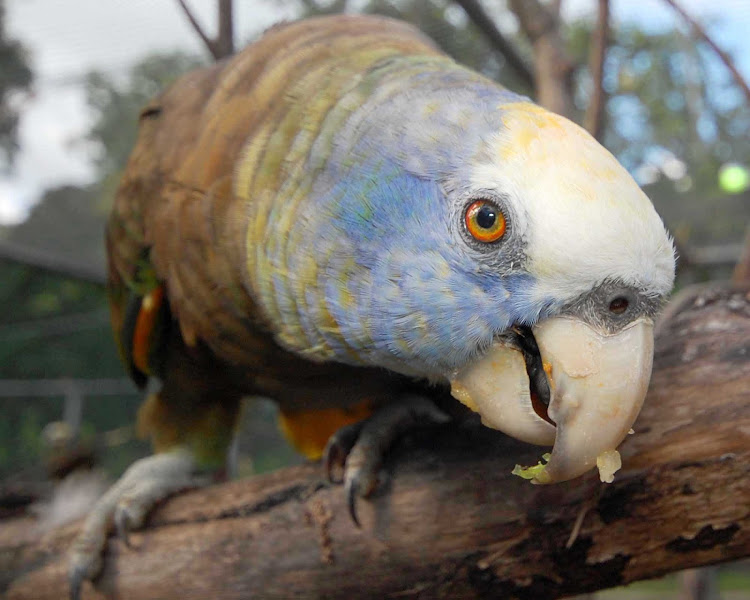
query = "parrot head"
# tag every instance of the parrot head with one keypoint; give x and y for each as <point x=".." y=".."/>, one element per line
<point x="573" y="368"/>
<point x="457" y="232"/>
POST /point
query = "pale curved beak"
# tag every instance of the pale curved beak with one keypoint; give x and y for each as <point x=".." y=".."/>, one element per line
<point x="598" y="383"/>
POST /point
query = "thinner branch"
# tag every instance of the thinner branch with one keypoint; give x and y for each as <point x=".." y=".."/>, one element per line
<point x="553" y="67"/>
<point x="594" y="117"/>
<point x="742" y="269"/>
<point x="724" y="56"/>
<point x="486" y="25"/>
<point x="224" y="41"/>
<point x="223" y="44"/>
<point x="196" y="26"/>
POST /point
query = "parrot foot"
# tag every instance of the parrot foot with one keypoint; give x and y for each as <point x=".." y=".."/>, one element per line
<point x="355" y="452"/>
<point x="126" y="505"/>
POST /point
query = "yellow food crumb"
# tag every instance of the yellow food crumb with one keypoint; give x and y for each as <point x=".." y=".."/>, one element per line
<point x="608" y="463"/>
<point x="532" y="472"/>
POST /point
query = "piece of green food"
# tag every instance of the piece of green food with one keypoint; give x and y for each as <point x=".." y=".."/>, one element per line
<point x="532" y="472"/>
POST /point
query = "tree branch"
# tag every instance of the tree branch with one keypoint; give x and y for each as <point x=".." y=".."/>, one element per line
<point x="724" y="56"/>
<point x="593" y="120"/>
<point x="552" y="65"/>
<point x="223" y="44"/>
<point x="741" y="272"/>
<point x="451" y="522"/>
<point x="486" y="25"/>
<point x="225" y="38"/>
<point x="207" y="41"/>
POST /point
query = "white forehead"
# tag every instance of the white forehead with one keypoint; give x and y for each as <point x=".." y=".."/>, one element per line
<point x="582" y="215"/>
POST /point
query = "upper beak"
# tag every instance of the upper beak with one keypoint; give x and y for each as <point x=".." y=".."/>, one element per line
<point x="597" y="380"/>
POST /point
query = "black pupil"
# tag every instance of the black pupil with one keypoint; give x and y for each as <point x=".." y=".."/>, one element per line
<point x="619" y="305"/>
<point x="486" y="217"/>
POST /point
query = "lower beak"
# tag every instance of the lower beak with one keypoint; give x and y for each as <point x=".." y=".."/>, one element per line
<point x="598" y="382"/>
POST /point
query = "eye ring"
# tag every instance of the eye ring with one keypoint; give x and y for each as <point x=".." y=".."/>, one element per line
<point x="484" y="221"/>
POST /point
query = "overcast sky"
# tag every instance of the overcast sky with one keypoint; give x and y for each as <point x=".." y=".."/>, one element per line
<point x="68" y="38"/>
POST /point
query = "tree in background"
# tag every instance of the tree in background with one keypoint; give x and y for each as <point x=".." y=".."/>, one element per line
<point x="54" y="319"/>
<point x="53" y="326"/>
<point x="674" y="117"/>
<point x="68" y="223"/>
<point x="116" y="105"/>
<point x="15" y="77"/>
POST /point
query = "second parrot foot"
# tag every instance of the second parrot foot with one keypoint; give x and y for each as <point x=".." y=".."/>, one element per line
<point x="125" y="507"/>
<point x="355" y="452"/>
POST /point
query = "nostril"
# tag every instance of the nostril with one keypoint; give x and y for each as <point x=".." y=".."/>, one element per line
<point x="619" y="305"/>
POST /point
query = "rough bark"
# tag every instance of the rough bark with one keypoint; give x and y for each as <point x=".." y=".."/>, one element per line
<point x="451" y="522"/>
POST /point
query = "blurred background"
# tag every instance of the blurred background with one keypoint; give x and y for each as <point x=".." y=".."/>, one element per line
<point x="662" y="84"/>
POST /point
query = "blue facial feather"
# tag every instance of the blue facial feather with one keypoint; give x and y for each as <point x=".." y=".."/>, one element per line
<point x="386" y="277"/>
<point x="412" y="294"/>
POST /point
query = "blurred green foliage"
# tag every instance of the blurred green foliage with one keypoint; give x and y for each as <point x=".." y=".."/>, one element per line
<point x="52" y="326"/>
<point x="116" y="104"/>
<point x="15" y="78"/>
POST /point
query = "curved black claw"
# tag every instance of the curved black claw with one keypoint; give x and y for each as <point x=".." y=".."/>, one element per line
<point x="76" y="577"/>
<point x="338" y="448"/>
<point x="358" y="449"/>
<point x="351" y="491"/>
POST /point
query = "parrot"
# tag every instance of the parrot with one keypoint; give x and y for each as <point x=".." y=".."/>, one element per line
<point x="343" y="219"/>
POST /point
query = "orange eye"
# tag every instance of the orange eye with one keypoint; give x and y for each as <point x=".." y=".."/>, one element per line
<point x="485" y="221"/>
